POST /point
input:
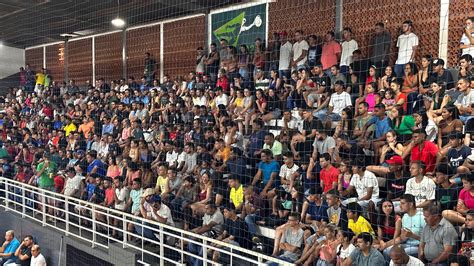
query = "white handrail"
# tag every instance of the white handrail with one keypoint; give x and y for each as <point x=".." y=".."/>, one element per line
<point x="11" y="188"/>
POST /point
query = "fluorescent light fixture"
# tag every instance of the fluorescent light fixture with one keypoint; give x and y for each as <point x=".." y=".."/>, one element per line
<point x="118" y="22"/>
<point x="1" y="44"/>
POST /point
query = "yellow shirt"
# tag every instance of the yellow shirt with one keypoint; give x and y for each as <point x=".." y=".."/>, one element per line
<point x="162" y="184"/>
<point x="361" y="226"/>
<point x="69" y="128"/>
<point x="239" y="102"/>
<point x="40" y="79"/>
<point x="237" y="196"/>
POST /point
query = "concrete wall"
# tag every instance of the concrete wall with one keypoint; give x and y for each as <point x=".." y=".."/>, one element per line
<point x="53" y="243"/>
<point x="11" y="59"/>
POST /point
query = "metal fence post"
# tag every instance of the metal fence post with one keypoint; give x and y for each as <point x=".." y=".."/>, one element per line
<point x="162" y="249"/>
<point x="93" y="227"/>
<point x="23" y="202"/>
<point x="125" y="235"/>
<point x="204" y="252"/>
<point x="43" y="207"/>
<point x="66" y="214"/>
<point x="7" y="197"/>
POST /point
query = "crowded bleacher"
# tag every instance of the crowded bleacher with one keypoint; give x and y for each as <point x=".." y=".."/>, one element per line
<point x="310" y="152"/>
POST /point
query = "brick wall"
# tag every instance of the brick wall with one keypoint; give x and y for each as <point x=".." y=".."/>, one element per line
<point x="140" y="41"/>
<point x="55" y="61"/>
<point x="313" y="17"/>
<point x="34" y="57"/>
<point x="459" y="10"/>
<point x="108" y="56"/>
<point x="80" y="61"/>
<point x="181" y="38"/>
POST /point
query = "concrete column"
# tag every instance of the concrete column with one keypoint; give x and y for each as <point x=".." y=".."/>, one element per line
<point x="124" y="54"/>
<point x="443" y="30"/>
<point x="339" y="13"/>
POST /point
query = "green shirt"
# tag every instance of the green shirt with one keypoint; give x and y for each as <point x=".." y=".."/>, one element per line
<point x="276" y="148"/>
<point x="406" y="126"/>
<point x="45" y="180"/>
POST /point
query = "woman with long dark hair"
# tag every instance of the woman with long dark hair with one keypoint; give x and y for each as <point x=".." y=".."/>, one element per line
<point x="346" y="125"/>
<point x="402" y="124"/>
<point x="389" y="224"/>
<point x="425" y="73"/>
<point x="244" y="60"/>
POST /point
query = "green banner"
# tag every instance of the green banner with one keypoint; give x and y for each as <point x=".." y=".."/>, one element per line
<point x="241" y="26"/>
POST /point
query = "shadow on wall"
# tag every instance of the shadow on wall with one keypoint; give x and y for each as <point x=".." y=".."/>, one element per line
<point x="8" y="82"/>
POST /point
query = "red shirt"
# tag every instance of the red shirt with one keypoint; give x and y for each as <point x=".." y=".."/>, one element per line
<point x="58" y="183"/>
<point x="402" y="96"/>
<point x="109" y="196"/>
<point x="329" y="54"/>
<point x="223" y="82"/>
<point x="427" y="155"/>
<point x="328" y="177"/>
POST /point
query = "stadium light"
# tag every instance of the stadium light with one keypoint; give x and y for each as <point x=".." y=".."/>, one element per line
<point x="118" y="22"/>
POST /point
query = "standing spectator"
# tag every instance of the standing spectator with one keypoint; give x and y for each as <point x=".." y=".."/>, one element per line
<point x="212" y="63"/>
<point x="37" y="258"/>
<point x="331" y="52"/>
<point x="407" y="45"/>
<point x="365" y="254"/>
<point x="380" y="47"/>
<point x="200" y="61"/>
<point x="8" y="248"/>
<point x="438" y="236"/>
<point x="314" y="51"/>
<point x="467" y="39"/>
<point x="300" y="51"/>
<point x="285" y="56"/>
<point x="349" y="45"/>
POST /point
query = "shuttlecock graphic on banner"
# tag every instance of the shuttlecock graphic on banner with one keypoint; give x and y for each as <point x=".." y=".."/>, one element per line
<point x="232" y="29"/>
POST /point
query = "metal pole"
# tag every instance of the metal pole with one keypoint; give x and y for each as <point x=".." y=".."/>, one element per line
<point x="93" y="60"/>
<point x="66" y="61"/>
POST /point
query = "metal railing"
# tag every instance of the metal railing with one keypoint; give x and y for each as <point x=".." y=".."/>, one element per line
<point x="63" y="213"/>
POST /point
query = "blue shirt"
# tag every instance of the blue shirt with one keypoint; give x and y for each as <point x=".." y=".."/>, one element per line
<point x="256" y="142"/>
<point x="268" y="169"/>
<point x="11" y="248"/>
<point x="107" y="128"/>
<point x="90" y="187"/>
<point x="318" y="213"/>
<point x="381" y="126"/>
<point x="57" y="124"/>
<point x="101" y="171"/>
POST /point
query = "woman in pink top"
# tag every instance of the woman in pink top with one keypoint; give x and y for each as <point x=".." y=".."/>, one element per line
<point x="465" y="202"/>
<point x="371" y="97"/>
<point x="113" y="170"/>
<point x="322" y="249"/>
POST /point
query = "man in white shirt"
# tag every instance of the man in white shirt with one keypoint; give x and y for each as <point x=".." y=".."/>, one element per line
<point x="349" y="45"/>
<point x="73" y="183"/>
<point x="156" y="211"/>
<point x="285" y="55"/>
<point x="37" y="259"/>
<point x="339" y="100"/>
<point x="465" y="100"/>
<point x="399" y="257"/>
<point x="407" y="45"/>
<point x="221" y="97"/>
<point x="300" y="51"/>
<point x="420" y="186"/>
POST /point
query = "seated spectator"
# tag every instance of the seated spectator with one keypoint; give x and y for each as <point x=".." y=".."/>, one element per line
<point x="366" y="185"/>
<point x="465" y="201"/>
<point x="290" y="177"/>
<point x="467" y="236"/>
<point x="419" y="185"/>
<point x="446" y="192"/>
<point x="266" y="177"/>
<point x="365" y="254"/>
<point x="398" y="256"/>
<point x="289" y="248"/>
<point x="388" y="224"/>
<point x="8" y="248"/>
<point x="357" y="223"/>
<point x="314" y="210"/>
<point x="212" y="226"/>
<point x="37" y="259"/>
<point x="323" y="250"/>
<point x="336" y="214"/>
<point x="421" y="149"/>
<point x="155" y="210"/>
<point x="23" y="252"/>
<point x="339" y="100"/>
<point x="438" y="237"/>
<point x="345" y="248"/>
<point x="457" y="260"/>
<point x="329" y="174"/>
<point x="235" y="232"/>
<point x="393" y="147"/>
<point x="274" y="145"/>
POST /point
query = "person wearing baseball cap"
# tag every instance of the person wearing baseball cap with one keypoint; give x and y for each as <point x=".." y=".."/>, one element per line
<point x="457" y="154"/>
<point x="396" y="179"/>
<point x="440" y="74"/>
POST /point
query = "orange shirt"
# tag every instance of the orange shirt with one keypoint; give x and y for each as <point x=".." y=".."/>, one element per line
<point x="224" y="154"/>
<point x="329" y="54"/>
<point x="86" y="128"/>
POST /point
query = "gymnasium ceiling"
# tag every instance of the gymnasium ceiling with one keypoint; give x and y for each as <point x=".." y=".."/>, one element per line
<point x="26" y="23"/>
